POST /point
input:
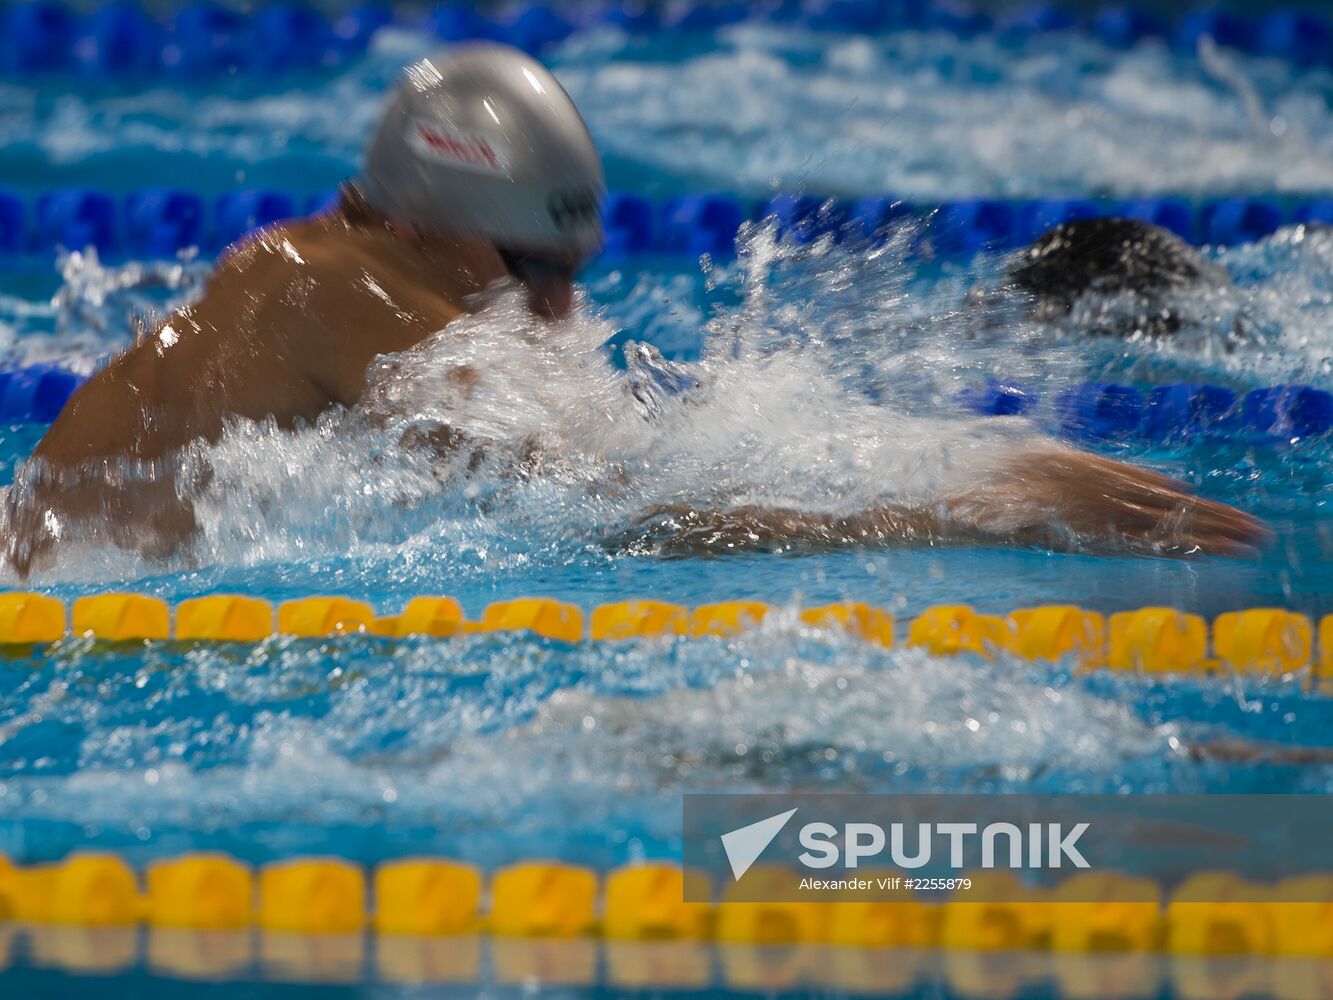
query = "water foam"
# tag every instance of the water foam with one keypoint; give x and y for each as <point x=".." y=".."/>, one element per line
<point x="827" y="384"/>
<point x="492" y="749"/>
<point x="559" y="450"/>
<point x="930" y="116"/>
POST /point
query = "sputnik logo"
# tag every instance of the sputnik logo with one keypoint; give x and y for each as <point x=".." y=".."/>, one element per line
<point x="744" y="845"/>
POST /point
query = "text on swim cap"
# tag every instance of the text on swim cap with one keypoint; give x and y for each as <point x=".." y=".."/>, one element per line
<point x="462" y="149"/>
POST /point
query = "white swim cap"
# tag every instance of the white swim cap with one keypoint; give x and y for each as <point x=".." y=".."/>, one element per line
<point x="482" y="139"/>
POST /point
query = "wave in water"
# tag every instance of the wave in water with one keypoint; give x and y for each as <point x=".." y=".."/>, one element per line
<point x="490" y="751"/>
<point x="922" y="115"/>
<point x="827" y="384"/>
<point x="560" y="447"/>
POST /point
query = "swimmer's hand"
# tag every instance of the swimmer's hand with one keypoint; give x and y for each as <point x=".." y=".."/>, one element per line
<point x="1059" y="497"/>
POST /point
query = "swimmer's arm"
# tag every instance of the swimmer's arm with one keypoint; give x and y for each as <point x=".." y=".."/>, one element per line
<point x="677" y="529"/>
<point x="1049" y="495"/>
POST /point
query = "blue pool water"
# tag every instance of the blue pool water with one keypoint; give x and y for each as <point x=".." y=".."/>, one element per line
<point x="104" y="963"/>
<point x="827" y="381"/>
<point x="748" y="109"/>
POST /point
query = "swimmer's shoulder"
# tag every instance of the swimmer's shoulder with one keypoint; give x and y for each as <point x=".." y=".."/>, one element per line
<point x="287" y="245"/>
<point x="255" y="267"/>
<point x="321" y="246"/>
<point x="317" y="261"/>
<point x="332" y="274"/>
<point x="376" y="270"/>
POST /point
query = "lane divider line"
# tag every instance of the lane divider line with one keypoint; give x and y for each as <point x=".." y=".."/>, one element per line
<point x="1093" y="411"/>
<point x="1214" y="912"/>
<point x="1107" y="411"/>
<point x="1150" y="640"/>
<point x="202" y="40"/>
<point x="162" y="223"/>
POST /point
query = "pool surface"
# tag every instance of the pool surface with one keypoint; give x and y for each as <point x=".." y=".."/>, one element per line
<point x="823" y="377"/>
<point x="65" y="962"/>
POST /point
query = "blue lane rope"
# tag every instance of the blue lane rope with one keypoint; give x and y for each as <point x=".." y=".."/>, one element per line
<point x="200" y="39"/>
<point x="1103" y="411"/>
<point x="35" y="394"/>
<point x="162" y="222"/>
<point x="1095" y="411"/>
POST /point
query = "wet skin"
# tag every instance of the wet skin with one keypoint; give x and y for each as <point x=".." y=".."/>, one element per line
<point x="286" y="329"/>
<point x="293" y="317"/>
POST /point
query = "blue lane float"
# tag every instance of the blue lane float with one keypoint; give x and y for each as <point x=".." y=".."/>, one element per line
<point x="688" y="17"/>
<point x="998" y="399"/>
<point x="631" y="226"/>
<point x="1230" y="221"/>
<point x="200" y="39"/>
<point x="354" y="27"/>
<point x="13" y="225"/>
<point x="696" y="224"/>
<point x="1099" y="410"/>
<point x="205" y="38"/>
<point x="77" y="218"/>
<point x="1318" y="212"/>
<point x="1174" y="214"/>
<point x="861" y="16"/>
<point x="630" y="17"/>
<point x="243" y="212"/>
<point x="1108" y="412"/>
<point x="35" y="394"/>
<point x="1094" y="411"/>
<point x="35" y="36"/>
<point x="1035" y="19"/>
<point x="1223" y="27"/>
<point x="1186" y="410"/>
<point x="805" y="218"/>
<point x="118" y="39"/>
<point x="871" y="217"/>
<point x="961" y="19"/>
<point x="1123" y="27"/>
<point x="964" y="228"/>
<point x="1287" y="412"/>
<point x="161" y="222"/>
<point x="1302" y="37"/>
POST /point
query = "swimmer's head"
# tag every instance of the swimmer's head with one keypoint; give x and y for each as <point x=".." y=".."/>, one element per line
<point x="482" y="140"/>
<point x="1141" y="269"/>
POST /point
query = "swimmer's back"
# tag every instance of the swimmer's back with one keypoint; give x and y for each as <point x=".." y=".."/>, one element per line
<point x="288" y="324"/>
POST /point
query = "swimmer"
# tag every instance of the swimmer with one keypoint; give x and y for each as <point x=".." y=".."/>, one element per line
<point x="1142" y="265"/>
<point x="481" y="171"/>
